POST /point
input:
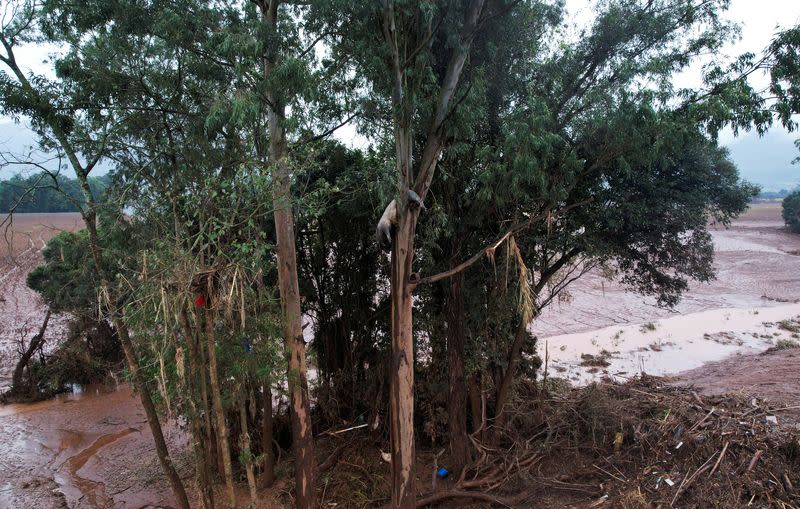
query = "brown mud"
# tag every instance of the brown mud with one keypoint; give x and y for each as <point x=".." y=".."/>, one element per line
<point x="756" y="262"/>
<point x="772" y="377"/>
<point x="86" y="450"/>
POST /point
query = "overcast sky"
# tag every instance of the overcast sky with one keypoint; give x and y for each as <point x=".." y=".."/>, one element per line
<point x="765" y="161"/>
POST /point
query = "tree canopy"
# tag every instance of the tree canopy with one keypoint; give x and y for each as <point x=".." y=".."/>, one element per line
<point x="234" y="229"/>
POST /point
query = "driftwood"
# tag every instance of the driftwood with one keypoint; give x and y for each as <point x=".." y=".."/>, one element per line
<point x="36" y="343"/>
<point x="440" y="496"/>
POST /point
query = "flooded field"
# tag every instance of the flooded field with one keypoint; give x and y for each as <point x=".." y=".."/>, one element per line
<point x="21" y="310"/>
<point x="94" y="449"/>
<point x="605" y="330"/>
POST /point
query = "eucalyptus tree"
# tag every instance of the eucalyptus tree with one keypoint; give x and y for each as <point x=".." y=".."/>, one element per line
<point x="65" y="124"/>
<point x="411" y="55"/>
<point x="292" y="99"/>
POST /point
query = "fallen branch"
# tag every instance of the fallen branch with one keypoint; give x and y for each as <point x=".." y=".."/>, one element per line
<point x="687" y="481"/>
<point x="434" y="498"/>
<point x="719" y="460"/>
<point x="753" y="461"/>
<point x="785" y="408"/>
<point x="345" y="430"/>
<point x="333" y="458"/>
<point x="701" y="421"/>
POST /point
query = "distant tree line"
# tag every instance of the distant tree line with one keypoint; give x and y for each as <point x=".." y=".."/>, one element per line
<point x="43" y="192"/>
<point x="791" y="211"/>
<point x="776" y="195"/>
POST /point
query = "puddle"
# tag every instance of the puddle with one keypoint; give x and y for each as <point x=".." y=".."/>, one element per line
<point x="69" y="452"/>
<point x="93" y="491"/>
<point x="77" y="393"/>
<point x="665" y="346"/>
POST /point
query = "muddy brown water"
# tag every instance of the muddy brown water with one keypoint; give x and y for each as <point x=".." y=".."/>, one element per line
<point x="757" y="285"/>
<point x="89" y="449"/>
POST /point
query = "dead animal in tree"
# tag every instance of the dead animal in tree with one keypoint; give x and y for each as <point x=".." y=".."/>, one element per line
<point x="388" y="221"/>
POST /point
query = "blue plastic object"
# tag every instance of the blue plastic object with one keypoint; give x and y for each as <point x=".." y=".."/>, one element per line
<point x="442" y="472"/>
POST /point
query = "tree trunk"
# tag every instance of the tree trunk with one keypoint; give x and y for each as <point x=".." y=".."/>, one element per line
<point x="268" y="472"/>
<point x="245" y="446"/>
<point x="19" y="369"/>
<point x="457" y="400"/>
<point x="201" y="435"/>
<point x="216" y="398"/>
<point x="202" y="471"/>
<point x="507" y="380"/>
<point x="401" y="400"/>
<point x="150" y="411"/>
<point x="208" y="423"/>
<point x="475" y="404"/>
<point x="294" y="343"/>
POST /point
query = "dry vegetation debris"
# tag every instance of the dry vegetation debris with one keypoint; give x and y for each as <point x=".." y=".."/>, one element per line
<point x="635" y="445"/>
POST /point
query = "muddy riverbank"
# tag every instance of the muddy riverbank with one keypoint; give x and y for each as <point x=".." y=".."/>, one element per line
<point x="86" y="450"/>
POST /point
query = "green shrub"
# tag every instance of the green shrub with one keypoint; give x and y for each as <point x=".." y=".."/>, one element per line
<point x="791" y="211"/>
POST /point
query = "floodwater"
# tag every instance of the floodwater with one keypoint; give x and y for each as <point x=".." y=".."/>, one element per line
<point x="758" y="284"/>
<point x="89" y="449"/>
<point x="667" y="346"/>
